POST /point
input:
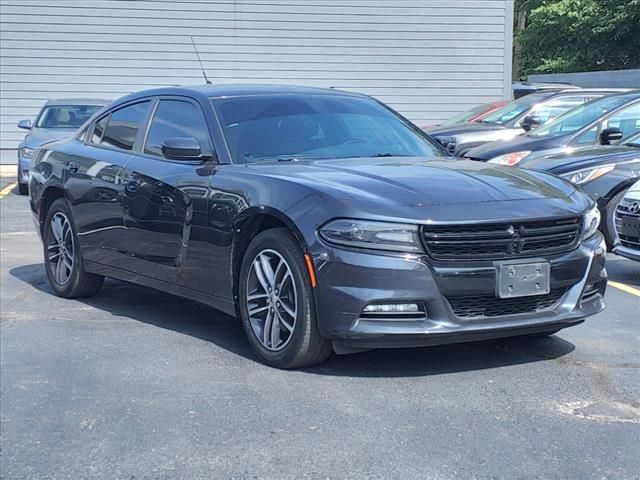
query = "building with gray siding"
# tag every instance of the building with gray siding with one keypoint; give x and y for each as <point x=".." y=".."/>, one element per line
<point x="429" y="59"/>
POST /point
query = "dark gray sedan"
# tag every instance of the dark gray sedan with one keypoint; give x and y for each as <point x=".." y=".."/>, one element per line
<point x="57" y="119"/>
<point x="321" y="219"/>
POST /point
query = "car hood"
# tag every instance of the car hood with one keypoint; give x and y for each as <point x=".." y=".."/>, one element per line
<point x="516" y="144"/>
<point x="457" y="129"/>
<point x="393" y="184"/>
<point x="573" y="159"/>
<point x="38" y="136"/>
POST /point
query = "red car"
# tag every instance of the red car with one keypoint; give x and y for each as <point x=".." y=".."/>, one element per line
<point x="475" y="114"/>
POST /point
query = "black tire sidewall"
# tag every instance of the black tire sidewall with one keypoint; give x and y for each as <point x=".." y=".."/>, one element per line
<point x="285" y="244"/>
<point x="72" y="285"/>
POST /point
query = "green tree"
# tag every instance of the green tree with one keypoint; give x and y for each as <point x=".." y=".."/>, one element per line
<point x="554" y="36"/>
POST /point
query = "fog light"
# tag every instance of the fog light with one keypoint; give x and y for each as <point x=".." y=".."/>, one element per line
<point x="392" y="308"/>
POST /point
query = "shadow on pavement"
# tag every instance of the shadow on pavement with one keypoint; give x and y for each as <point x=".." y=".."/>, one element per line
<point x="623" y="270"/>
<point x="173" y="313"/>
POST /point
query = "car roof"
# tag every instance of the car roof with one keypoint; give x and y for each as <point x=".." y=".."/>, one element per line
<point x="77" y="101"/>
<point x="235" y="90"/>
<point x="574" y="91"/>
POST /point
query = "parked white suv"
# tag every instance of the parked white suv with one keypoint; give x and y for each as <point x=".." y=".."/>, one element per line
<point x="628" y="224"/>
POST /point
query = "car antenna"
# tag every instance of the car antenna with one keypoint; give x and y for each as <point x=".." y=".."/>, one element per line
<point x="204" y="74"/>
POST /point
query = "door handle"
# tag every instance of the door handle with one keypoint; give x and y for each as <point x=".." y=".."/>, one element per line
<point x="73" y="167"/>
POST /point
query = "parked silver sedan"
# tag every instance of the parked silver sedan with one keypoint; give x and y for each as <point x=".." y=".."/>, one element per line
<point x="58" y="119"/>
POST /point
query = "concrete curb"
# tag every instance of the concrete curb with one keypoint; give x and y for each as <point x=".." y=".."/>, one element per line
<point x="8" y="170"/>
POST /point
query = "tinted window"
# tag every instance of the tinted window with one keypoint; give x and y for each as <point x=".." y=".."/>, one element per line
<point x="268" y="127"/>
<point x="580" y="117"/>
<point x="627" y="120"/>
<point x="175" y="118"/>
<point x="123" y="126"/>
<point x="556" y="107"/>
<point x="66" y="116"/>
<point x="98" y="130"/>
<point x="514" y="109"/>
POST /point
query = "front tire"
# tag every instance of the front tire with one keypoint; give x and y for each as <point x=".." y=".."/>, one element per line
<point x="277" y="306"/>
<point x="23" y="189"/>
<point x="62" y="258"/>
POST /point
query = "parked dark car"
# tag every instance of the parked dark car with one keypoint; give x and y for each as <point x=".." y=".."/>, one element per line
<point x="600" y="122"/>
<point x="57" y="119"/>
<point x="515" y="118"/>
<point x="627" y="224"/>
<point x="604" y="171"/>
<point x="320" y="218"/>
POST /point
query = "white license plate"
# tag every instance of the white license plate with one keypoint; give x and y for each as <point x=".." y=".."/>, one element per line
<point x="522" y="279"/>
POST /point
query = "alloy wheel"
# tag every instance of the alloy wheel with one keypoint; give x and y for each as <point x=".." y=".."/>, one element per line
<point x="271" y="300"/>
<point x="60" y="248"/>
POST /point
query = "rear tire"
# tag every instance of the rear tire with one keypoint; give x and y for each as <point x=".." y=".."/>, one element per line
<point x="23" y="189"/>
<point x="62" y="258"/>
<point x="608" y="226"/>
<point x="276" y="303"/>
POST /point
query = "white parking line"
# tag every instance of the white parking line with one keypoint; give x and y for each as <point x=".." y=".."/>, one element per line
<point x="625" y="288"/>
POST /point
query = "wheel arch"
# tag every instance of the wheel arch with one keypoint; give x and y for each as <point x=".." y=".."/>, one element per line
<point x="49" y="195"/>
<point x="253" y="222"/>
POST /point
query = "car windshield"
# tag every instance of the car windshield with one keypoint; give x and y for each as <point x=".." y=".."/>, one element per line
<point x="632" y="141"/>
<point x="514" y="109"/>
<point x="580" y="117"/>
<point x="294" y="127"/>
<point x="66" y="116"/>
<point x="468" y="115"/>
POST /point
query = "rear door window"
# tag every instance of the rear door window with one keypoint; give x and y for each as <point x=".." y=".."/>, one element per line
<point x="123" y="126"/>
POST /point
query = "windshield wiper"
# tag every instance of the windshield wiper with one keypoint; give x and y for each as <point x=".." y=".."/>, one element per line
<point x="282" y="159"/>
<point x="387" y="154"/>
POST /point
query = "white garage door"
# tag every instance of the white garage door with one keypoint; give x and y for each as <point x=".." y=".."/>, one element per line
<point x="427" y="58"/>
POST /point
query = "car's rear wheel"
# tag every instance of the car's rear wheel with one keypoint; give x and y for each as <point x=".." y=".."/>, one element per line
<point x="23" y="188"/>
<point x="276" y="302"/>
<point x="62" y="258"/>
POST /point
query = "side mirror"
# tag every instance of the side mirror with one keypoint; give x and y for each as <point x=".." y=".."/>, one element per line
<point x="530" y="122"/>
<point x="611" y="134"/>
<point x="25" y="124"/>
<point x="182" y="148"/>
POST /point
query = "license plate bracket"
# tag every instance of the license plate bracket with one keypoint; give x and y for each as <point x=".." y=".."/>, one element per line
<point x="522" y="279"/>
<point x="630" y="226"/>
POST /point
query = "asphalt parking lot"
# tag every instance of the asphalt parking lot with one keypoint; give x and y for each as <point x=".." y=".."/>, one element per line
<point x="137" y="384"/>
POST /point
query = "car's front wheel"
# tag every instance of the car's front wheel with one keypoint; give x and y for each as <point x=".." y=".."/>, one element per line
<point x="62" y="258"/>
<point x="276" y="302"/>
<point x="23" y="188"/>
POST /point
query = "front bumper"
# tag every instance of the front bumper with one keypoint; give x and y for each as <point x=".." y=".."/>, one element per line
<point x="627" y="252"/>
<point x="24" y="165"/>
<point x="348" y="280"/>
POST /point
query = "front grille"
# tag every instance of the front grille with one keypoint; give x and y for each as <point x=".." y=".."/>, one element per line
<point x="501" y="240"/>
<point x="482" y="306"/>
<point x="624" y="213"/>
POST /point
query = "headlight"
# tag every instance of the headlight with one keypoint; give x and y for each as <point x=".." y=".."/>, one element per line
<point x="590" y="222"/>
<point x="585" y="175"/>
<point x="510" y="158"/>
<point x="26" y="152"/>
<point x="375" y="235"/>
